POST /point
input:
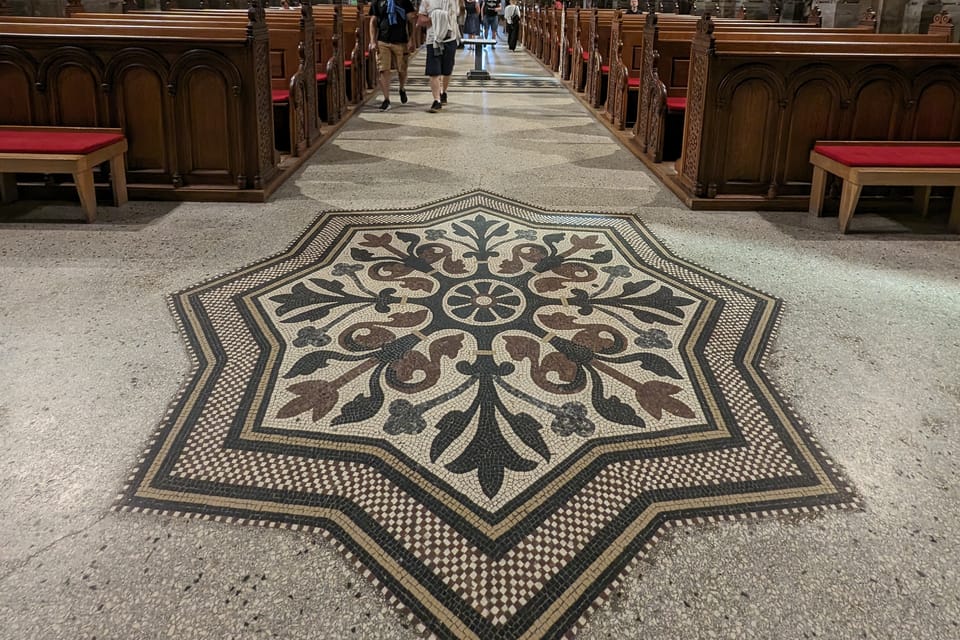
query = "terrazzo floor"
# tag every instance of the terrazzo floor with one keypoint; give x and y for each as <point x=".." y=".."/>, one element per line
<point x="867" y="354"/>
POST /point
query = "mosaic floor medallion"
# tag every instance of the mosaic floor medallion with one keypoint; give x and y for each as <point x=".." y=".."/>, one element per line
<point x="492" y="407"/>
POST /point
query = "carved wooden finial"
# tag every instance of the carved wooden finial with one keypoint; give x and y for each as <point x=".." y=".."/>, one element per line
<point x="705" y="25"/>
<point x="256" y="12"/>
<point x="651" y="19"/>
<point x="943" y="18"/>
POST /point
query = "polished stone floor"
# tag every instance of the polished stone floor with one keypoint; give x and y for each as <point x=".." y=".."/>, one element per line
<point x="867" y="354"/>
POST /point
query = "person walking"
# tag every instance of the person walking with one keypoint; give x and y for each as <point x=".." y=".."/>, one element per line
<point x="491" y="9"/>
<point x="390" y="38"/>
<point x="471" y="23"/>
<point x="443" y="33"/>
<point x="512" y="15"/>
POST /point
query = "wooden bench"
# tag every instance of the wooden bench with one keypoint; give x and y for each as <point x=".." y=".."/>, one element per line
<point x="663" y="85"/>
<point x="76" y="151"/>
<point x="193" y="101"/>
<point x="858" y="164"/>
<point x="755" y="108"/>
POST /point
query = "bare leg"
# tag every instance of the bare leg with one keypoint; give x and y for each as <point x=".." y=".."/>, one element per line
<point x="385" y="84"/>
<point x="446" y="83"/>
<point x="435" y="87"/>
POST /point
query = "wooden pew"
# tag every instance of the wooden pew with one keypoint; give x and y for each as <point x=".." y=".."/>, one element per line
<point x="355" y="33"/>
<point x="330" y="75"/>
<point x="569" y="36"/>
<point x="597" y="60"/>
<point x="754" y="109"/>
<point x="663" y="83"/>
<point x="294" y="93"/>
<point x="194" y="102"/>
<point x="581" y="51"/>
<point x="626" y="56"/>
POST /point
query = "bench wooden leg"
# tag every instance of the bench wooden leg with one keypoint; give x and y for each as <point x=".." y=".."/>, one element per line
<point x="817" y="190"/>
<point x="848" y="203"/>
<point x="118" y="175"/>
<point x="921" y="200"/>
<point x="8" y="187"/>
<point x="88" y="194"/>
<point x="954" y="223"/>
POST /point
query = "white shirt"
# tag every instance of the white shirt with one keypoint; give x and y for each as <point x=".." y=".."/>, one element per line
<point x="443" y="16"/>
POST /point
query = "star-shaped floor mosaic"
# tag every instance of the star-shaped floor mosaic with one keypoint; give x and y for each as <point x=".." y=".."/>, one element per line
<point x="492" y="407"/>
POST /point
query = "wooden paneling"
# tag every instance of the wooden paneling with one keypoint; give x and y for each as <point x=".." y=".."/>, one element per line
<point x="140" y="97"/>
<point x="813" y="115"/>
<point x="74" y="98"/>
<point x="203" y="104"/>
<point x="937" y="112"/>
<point x="752" y="108"/>
<point x="16" y="99"/>
<point x="876" y="110"/>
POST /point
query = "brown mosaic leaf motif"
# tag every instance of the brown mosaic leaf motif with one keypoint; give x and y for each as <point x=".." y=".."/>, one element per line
<point x="494" y="408"/>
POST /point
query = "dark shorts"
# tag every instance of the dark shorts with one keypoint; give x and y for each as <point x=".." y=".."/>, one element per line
<point x="441" y="65"/>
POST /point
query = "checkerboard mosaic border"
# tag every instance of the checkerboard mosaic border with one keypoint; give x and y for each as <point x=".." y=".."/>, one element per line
<point x="538" y="574"/>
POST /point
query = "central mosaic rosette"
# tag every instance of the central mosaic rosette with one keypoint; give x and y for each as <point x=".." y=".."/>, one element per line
<point x="486" y="351"/>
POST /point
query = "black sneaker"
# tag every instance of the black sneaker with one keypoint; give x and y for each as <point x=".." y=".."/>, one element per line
<point x="443" y="97"/>
<point x="403" y="96"/>
<point x="385" y="105"/>
<point x="436" y="106"/>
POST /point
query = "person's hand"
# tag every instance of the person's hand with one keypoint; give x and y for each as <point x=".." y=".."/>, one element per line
<point x="411" y="47"/>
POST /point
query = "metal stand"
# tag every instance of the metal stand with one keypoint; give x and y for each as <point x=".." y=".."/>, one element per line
<point x="478" y="72"/>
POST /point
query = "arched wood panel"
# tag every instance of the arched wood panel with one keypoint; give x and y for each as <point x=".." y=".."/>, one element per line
<point x="937" y="114"/>
<point x="16" y="98"/>
<point x="814" y="115"/>
<point x="751" y="116"/>
<point x="75" y="98"/>
<point x="205" y="128"/>
<point x="136" y="81"/>
<point x="877" y="110"/>
<point x="140" y="98"/>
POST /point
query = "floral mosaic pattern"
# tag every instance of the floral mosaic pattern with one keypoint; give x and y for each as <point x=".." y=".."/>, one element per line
<point x="494" y="409"/>
<point x="539" y="334"/>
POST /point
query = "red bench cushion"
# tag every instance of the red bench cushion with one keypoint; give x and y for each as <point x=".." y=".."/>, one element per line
<point x="633" y="82"/>
<point x="604" y="68"/>
<point x="677" y="104"/>
<point x="586" y="55"/>
<point x="348" y="63"/>
<point x="55" y="142"/>
<point x="321" y="77"/>
<point x="280" y="95"/>
<point x="946" y="156"/>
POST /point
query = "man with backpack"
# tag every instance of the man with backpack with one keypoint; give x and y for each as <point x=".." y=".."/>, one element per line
<point x="390" y="38"/>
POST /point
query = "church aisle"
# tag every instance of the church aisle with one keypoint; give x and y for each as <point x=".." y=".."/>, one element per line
<point x="866" y="354"/>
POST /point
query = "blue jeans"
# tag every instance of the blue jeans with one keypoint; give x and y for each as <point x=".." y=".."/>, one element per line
<point x="490" y="26"/>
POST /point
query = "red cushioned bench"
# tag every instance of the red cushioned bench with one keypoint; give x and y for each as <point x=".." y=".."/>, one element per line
<point x="76" y="151"/>
<point x="918" y="164"/>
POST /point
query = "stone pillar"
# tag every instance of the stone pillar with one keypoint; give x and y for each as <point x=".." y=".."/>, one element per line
<point x="848" y="13"/>
<point x="890" y="15"/>
<point x="918" y="15"/>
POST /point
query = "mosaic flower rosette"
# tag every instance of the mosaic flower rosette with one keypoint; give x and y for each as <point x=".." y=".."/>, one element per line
<point x="492" y="407"/>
